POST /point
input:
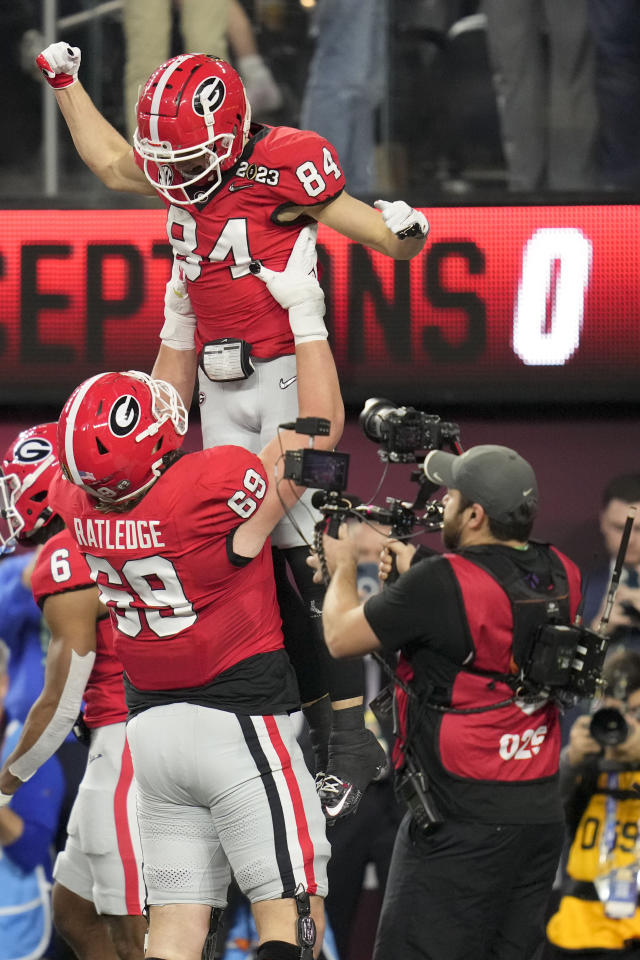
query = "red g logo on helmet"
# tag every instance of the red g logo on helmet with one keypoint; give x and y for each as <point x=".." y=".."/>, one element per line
<point x="124" y="416"/>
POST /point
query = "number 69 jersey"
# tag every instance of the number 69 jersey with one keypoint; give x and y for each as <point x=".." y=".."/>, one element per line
<point x="184" y="608"/>
<point x="214" y="242"/>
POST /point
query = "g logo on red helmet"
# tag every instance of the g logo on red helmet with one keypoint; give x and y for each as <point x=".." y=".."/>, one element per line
<point x="32" y="450"/>
<point x="124" y="415"/>
<point x="209" y="95"/>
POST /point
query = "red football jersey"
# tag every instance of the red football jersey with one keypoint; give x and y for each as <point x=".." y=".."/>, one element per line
<point x="183" y="612"/>
<point x="60" y="567"/>
<point x="215" y="242"/>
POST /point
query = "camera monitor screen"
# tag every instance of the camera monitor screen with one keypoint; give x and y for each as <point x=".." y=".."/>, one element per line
<point x="325" y="469"/>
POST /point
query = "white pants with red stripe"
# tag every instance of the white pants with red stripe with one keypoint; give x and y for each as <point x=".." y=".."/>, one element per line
<point x="102" y="857"/>
<point x="221" y="793"/>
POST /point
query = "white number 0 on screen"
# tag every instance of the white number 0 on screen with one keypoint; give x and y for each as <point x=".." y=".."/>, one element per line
<point x="564" y="254"/>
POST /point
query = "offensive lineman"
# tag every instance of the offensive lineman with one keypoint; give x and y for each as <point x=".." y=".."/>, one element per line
<point x="98" y="891"/>
<point x="178" y="548"/>
<point x="236" y="192"/>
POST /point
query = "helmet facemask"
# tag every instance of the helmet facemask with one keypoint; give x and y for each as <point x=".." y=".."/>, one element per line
<point x="166" y="160"/>
<point x="11" y="522"/>
<point x="166" y="404"/>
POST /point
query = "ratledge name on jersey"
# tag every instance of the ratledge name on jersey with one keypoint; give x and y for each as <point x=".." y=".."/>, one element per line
<point x="118" y="534"/>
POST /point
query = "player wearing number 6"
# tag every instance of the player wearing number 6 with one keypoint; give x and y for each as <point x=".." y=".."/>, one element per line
<point x="178" y="546"/>
<point x="98" y="891"/>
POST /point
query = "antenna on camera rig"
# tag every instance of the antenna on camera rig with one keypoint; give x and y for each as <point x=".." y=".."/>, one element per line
<point x="614" y="583"/>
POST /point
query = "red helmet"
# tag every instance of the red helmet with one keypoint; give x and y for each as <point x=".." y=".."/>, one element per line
<point x="115" y="429"/>
<point x="28" y="467"/>
<point x="193" y="107"/>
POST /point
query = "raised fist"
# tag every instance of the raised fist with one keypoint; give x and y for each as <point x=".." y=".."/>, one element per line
<point x="59" y="64"/>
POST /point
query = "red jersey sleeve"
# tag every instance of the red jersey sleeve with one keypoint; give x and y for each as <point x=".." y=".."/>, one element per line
<point x="228" y="487"/>
<point x="60" y="567"/>
<point x="308" y="165"/>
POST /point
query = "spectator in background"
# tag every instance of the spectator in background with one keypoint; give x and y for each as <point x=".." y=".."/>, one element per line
<point x="27" y="829"/>
<point x="206" y="26"/>
<point x="623" y="628"/>
<point x="345" y="83"/>
<point x="615" y="25"/>
<point x="147" y="30"/>
<point x="543" y="61"/>
<point x="598" y="915"/>
<point x="262" y="90"/>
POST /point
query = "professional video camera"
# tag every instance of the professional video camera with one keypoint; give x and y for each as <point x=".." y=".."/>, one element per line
<point x="405" y="434"/>
<point x="563" y="661"/>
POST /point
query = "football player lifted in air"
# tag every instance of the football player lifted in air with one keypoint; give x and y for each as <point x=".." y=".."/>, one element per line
<point x="237" y="192"/>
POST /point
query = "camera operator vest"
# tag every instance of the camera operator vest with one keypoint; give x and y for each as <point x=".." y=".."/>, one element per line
<point x="477" y="729"/>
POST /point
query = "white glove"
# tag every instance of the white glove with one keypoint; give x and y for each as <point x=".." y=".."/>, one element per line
<point x="296" y="288"/>
<point x="5" y="798"/>
<point x="60" y="64"/>
<point x="179" y="327"/>
<point x="402" y="219"/>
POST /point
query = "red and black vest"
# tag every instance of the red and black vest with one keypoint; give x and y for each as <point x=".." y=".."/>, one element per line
<point x="474" y="730"/>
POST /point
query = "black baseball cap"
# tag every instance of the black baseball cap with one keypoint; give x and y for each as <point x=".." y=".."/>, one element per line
<point x="497" y="478"/>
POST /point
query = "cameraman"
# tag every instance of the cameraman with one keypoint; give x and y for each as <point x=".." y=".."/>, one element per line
<point x="597" y="918"/>
<point x="474" y="882"/>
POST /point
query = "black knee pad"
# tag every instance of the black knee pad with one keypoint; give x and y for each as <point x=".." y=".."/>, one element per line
<point x="278" y="950"/>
